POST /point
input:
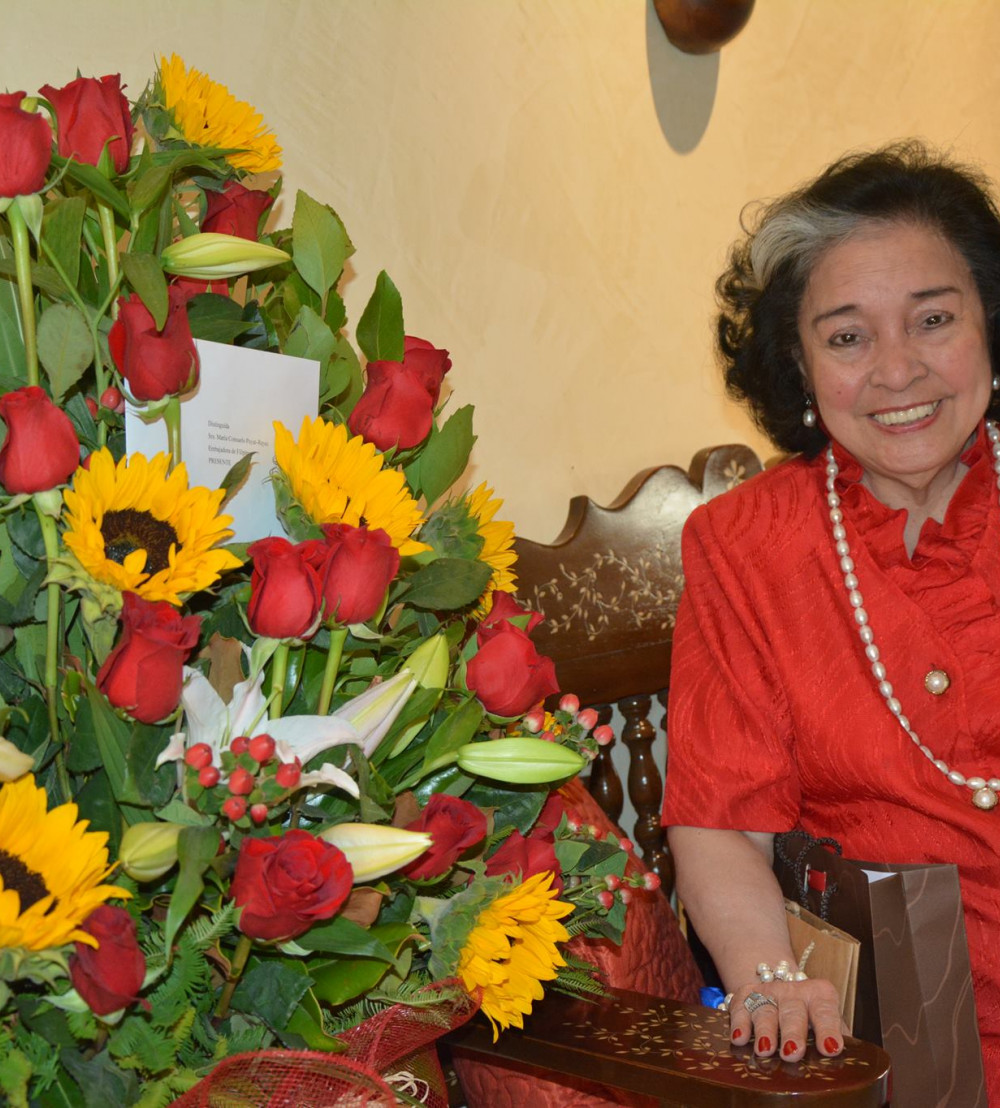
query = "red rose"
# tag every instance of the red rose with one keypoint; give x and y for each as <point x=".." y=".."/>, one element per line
<point x="526" y="857"/>
<point x="397" y="406"/>
<point x="91" y="112"/>
<point x="108" y="976"/>
<point x="287" y="883"/>
<point x="285" y="593"/>
<point x="235" y="211"/>
<point x="503" y="610"/>
<point x="41" y="449"/>
<point x="154" y="363"/>
<point x="454" y="825"/>
<point x="508" y="674"/>
<point x="354" y="566"/>
<point x="549" y="818"/>
<point x="25" y="147"/>
<point x="143" y="674"/>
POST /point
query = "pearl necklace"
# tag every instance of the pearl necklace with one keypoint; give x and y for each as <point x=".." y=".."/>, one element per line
<point x="985" y="792"/>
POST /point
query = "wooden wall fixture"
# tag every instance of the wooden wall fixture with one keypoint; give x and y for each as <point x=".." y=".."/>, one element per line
<point x="702" y="26"/>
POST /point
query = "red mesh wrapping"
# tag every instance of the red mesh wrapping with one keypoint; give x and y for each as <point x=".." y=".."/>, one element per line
<point x="394" y="1049"/>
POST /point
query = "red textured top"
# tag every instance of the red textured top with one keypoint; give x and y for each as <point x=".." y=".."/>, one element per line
<point x="775" y="719"/>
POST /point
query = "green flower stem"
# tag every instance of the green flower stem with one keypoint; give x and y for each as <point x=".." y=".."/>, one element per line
<point x="26" y="292"/>
<point x="53" y="597"/>
<point x="172" y="418"/>
<point x="279" y="670"/>
<point x="337" y="637"/>
<point x="110" y="235"/>
<point x="243" y="948"/>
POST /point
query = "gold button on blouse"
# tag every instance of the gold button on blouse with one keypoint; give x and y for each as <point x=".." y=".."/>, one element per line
<point x="936" y="682"/>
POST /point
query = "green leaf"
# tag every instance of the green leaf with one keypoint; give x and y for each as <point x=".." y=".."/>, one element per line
<point x="339" y="981"/>
<point x="63" y="223"/>
<point x="320" y="245"/>
<point x="271" y="990"/>
<point x="196" y="847"/>
<point x="13" y="369"/>
<point x="380" y="328"/>
<point x="176" y="811"/>
<point x="448" y="583"/>
<point x="342" y="383"/>
<point x="216" y="318"/>
<point x="342" y="936"/>
<point x="307" y="1022"/>
<point x="112" y="737"/>
<point x="150" y="187"/>
<point x="147" y="785"/>
<point x="96" y="182"/>
<point x="310" y="337"/>
<point x="458" y="729"/>
<point x="514" y="809"/>
<point x="65" y="347"/>
<point x="444" y="456"/>
<point x="237" y="475"/>
<point x="145" y="274"/>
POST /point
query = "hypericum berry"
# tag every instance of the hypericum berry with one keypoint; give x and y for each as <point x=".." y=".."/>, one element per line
<point x="626" y="895"/>
<point x="241" y="782"/>
<point x="595" y="832"/>
<point x="604" y="735"/>
<point x="234" y="808"/>
<point x="613" y="881"/>
<point x="288" y="774"/>
<point x="198" y="756"/>
<point x="239" y="745"/>
<point x="261" y="748"/>
<point x="626" y="845"/>
<point x="569" y="703"/>
<point x="651" y="881"/>
<point x="112" y="398"/>
<point x="91" y="406"/>
<point x="208" y="777"/>
<point x="587" y="718"/>
<point x="258" y="812"/>
<point x="534" y="721"/>
<point x="547" y="736"/>
<point x="573" y="823"/>
<point x="606" y="899"/>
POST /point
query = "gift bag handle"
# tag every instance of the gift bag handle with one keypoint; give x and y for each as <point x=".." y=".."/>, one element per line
<point x="807" y="876"/>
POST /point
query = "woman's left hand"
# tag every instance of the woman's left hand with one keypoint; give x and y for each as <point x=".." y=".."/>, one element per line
<point x="783" y="1023"/>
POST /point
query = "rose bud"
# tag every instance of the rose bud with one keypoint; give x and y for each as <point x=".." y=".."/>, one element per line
<point x="287" y="883"/>
<point x="570" y="703"/>
<point x="375" y="849"/>
<point x="240" y="745"/>
<point x="354" y="567"/>
<point x="285" y="593"/>
<point x="154" y="363"/>
<point x="25" y="147"/>
<point x="198" y="756"/>
<point x="144" y="672"/>
<point x="507" y="674"/>
<point x="241" y="782"/>
<point x="288" y="774"/>
<point x="454" y="825"/>
<point x="149" y="850"/>
<point x="91" y="112"/>
<point x="235" y="211"/>
<point x="235" y="808"/>
<point x="109" y="976"/>
<point x="214" y="256"/>
<point x="519" y="761"/>
<point x="208" y="777"/>
<point x="258" y="813"/>
<point x="261" y="748"/>
<point x="41" y="449"/>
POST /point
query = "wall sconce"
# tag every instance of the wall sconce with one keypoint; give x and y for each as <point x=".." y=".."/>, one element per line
<point x="702" y="26"/>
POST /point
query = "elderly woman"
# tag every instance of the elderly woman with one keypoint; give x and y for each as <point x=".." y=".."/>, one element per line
<point x="837" y="651"/>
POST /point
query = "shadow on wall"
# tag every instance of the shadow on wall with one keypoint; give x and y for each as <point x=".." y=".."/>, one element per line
<point x="683" y="86"/>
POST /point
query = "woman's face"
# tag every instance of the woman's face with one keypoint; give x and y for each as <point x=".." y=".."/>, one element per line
<point x="894" y="350"/>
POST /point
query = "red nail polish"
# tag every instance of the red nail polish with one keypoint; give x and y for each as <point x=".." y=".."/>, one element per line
<point x="737" y="1034"/>
<point x="789" y="1048"/>
<point x="763" y="1045"/>
<point x="830" y="1045"/>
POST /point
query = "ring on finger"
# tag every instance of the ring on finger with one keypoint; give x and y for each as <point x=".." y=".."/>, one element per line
<point x="758" y="1000"/>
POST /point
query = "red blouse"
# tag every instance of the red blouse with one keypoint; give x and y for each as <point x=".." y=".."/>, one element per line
<point x="775" y="719"/>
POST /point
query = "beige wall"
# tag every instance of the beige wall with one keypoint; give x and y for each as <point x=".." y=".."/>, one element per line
<point x="551" y="184"/>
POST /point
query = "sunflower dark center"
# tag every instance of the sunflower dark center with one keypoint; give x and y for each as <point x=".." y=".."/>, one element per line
<point x="128" y="530"/>
<point x="15" y="875"/>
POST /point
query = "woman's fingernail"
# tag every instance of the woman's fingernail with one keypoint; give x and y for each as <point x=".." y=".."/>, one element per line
<point x="763" y="1045"/>
<point x="830" y="1045"/>
<point x="789" y="1048"/>
<point x="737" y="1034"/>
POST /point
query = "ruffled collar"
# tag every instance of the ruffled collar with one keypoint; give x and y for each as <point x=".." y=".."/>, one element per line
<point x="952" y="543"/>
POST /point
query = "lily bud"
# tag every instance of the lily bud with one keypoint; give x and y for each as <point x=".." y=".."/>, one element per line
<point x="375" y="849"/>
<point x="374" y="711"/>
<point x="520" y="760"/>
<point x="14" y="763"/>
<point x="148" y="850"/>
<point x="429" y="663"/>
<point x="211" y="256"/>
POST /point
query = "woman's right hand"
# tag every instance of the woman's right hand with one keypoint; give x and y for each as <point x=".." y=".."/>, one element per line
<point x="782" y="1026"/>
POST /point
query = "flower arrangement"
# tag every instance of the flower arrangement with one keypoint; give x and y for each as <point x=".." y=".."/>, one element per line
<point x="253" y="795"/>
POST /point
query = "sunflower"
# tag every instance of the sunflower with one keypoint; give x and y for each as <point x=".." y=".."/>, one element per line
<point x="207" y="114"/>
<point x="512" y="948"/>
<point x="498" y="545"/>
<point x="51" y="870"/>
<point x="338" y="478"/>
<point x="136" y="527"/>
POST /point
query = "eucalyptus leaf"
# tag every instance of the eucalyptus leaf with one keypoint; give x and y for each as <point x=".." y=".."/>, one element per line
<point x="320" y="245"/>
<point x="380" y="328"/>
<point x="65" y="347"/>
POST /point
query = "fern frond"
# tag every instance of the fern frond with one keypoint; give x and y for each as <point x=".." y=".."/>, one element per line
<point x="205" y="931"/>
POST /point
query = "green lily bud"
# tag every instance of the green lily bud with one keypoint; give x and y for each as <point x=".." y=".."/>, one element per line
<point x="375" y="849"/>
<point x="429" y="663"/>
<point x="148" y="850"/>
<point x="211" y="256"/>
<point x="520" y="760"/>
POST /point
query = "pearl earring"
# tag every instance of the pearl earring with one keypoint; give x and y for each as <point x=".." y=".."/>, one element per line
<point x="809" y="415"/>
<point x="996" y="382"/>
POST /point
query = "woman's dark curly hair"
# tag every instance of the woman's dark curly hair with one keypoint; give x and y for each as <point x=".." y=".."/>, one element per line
<point x="760" y="292"/>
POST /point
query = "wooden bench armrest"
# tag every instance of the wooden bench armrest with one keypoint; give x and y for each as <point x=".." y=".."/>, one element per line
<point x="677" y="1054"/>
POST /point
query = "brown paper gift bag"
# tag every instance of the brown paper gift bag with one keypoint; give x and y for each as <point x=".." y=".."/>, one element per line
<point x="825" y="951"/>
<point x="914" y="985"/>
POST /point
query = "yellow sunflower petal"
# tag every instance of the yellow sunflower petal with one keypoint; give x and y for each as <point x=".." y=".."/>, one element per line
<point x="498" y="546"/>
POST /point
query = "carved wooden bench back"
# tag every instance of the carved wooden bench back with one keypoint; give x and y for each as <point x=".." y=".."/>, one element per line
<point x="609" y="586"/>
